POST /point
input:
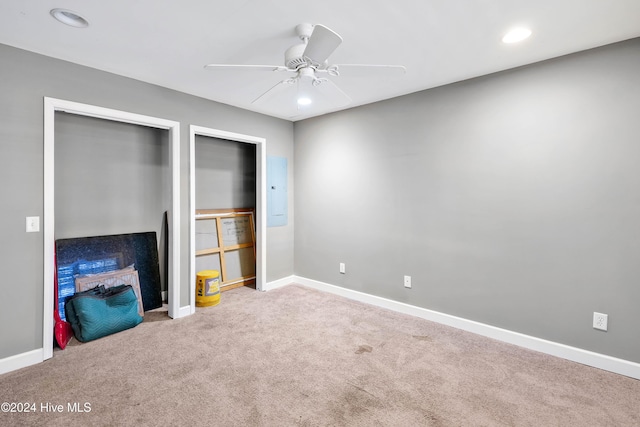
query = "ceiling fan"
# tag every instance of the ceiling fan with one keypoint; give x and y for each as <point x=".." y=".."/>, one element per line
<point x="309" y="69"/>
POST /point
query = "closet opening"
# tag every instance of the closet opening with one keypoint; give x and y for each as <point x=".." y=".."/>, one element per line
<point x="227" y="207"/>
<point x="111" y="172"/>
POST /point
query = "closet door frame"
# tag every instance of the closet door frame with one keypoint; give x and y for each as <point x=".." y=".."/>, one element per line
<point x="261" y="202"/>
<point x="51" y="106"/>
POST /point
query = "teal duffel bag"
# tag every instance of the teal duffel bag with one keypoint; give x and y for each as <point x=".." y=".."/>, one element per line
<point x="102" y="311"/>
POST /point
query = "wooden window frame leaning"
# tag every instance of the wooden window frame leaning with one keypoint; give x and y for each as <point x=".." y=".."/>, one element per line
<point x="218" y="215"/>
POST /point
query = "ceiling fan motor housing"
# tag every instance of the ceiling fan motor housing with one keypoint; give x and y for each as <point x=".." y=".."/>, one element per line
<point x="293" y="57"/>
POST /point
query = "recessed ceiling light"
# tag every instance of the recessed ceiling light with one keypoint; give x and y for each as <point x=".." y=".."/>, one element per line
<point x="304" y="101"/>
<point x="69" y="17"/>
<point x="516" y="35"/>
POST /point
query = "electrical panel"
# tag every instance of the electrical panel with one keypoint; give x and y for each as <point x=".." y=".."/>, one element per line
<point x="277" y="205"/>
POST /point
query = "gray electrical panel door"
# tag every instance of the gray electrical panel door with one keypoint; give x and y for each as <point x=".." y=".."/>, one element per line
<point x="276" y="191"/>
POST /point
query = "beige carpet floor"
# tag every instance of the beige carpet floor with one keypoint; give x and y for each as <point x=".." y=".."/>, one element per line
<point x="298" y="357"/>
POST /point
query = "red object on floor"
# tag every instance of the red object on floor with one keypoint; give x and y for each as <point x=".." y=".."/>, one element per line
<point x="61" y="330"/>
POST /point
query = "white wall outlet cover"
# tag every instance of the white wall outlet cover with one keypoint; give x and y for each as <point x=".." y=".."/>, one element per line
<point x="600" y="321"/>
<point x="343" y="268"/>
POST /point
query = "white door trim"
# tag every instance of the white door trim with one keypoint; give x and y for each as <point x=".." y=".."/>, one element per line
<point x="51" y="105"/>
<point x="261" y="202"/>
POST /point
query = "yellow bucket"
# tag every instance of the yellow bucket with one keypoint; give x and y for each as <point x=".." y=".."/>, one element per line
<point x="207" y="288"/>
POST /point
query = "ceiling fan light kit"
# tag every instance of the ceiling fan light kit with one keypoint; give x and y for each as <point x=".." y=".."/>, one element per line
<point x="516" y="35"/>
<point x="306" y="61"/>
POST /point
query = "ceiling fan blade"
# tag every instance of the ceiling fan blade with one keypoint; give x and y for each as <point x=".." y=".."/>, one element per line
<point x="321" y="44"/>
<point x="401" y="68"/>
<point x="275" y="89"/>
<point x="337" y="95"/>
<point x="256" y="67"/>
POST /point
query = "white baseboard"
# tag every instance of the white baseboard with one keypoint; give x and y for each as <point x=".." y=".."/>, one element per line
<point x="280" y="283"/>
<point x="20" y="361"/>
<point x="597" y="360"/>
<point x="585" y="357"/>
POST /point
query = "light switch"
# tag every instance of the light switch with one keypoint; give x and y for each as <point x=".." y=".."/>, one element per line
<point x="33" y="224"/>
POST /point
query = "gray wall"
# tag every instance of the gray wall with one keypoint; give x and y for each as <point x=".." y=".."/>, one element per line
<point x="25" y="78"/>
<point x="111" y="178"/>
<point x="225" y="177"/>
<point x="510" y="199"/>
<point x="225" y="174"/>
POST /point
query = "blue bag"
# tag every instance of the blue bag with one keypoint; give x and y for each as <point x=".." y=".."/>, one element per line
<point x="99" y="312"/>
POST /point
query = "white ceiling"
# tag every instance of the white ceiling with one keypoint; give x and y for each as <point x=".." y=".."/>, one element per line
<point x="167" y="42"/>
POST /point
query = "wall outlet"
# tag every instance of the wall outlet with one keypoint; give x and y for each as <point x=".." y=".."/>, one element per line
<point x="407" y="281"/>
<point x="343" y="268"/>
<point x="600" y="321"/>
